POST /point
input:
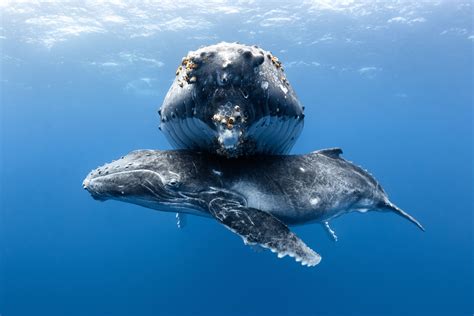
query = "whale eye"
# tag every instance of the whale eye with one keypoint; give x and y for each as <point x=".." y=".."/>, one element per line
<point x="173" y="183"/>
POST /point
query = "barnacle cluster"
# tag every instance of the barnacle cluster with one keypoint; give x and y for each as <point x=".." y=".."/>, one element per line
<point x="275" y="61"/>
<point x="188" y="65"/>
<point x="229" y="120"/>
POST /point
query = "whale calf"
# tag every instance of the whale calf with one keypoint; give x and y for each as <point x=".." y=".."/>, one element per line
<point x="233" y="100"/>
<point x="256" y="197"/>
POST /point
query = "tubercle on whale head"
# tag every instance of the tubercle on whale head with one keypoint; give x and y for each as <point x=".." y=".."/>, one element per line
<point x="220" y="65"/>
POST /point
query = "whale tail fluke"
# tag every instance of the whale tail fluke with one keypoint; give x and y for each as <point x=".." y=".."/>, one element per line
<point x="392" y="207"/>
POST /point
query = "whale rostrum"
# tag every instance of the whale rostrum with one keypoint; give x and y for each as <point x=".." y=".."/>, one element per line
<point x="256" y="197"/>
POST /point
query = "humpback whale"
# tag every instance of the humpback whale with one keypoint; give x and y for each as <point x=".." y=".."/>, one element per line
<point x="233" y="100"/>
<point x="256" y="197"/>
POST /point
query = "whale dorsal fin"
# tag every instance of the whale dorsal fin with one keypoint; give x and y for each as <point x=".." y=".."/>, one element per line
<point x="257" y="227"/>
<point x="330" y="152"/>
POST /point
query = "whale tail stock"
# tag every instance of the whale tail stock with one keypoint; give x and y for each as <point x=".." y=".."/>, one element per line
<point x="393" y="208"/>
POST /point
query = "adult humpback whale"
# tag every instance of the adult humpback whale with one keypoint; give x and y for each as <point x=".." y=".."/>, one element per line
<point x="231" y="99"/>
<point x="255" y="197"/>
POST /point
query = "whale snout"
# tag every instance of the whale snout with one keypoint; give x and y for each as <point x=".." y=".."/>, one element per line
<point x="88" y="185"/>
<point x="134" y="177"/>
<point x="85" y="183"/>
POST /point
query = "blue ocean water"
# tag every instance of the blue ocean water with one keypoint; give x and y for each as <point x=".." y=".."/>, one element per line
<point x="390" y="82"/>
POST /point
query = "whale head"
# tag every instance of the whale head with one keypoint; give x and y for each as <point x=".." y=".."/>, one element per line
<point x="233" y="100"/>
<point x="148" y="178"/>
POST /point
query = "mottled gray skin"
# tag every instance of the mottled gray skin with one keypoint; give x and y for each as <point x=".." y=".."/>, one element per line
<point x="255" y="197"/>
<point x="233" y="100"/>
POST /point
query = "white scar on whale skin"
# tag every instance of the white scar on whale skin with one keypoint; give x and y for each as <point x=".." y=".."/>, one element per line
<point x="217" y="172"/>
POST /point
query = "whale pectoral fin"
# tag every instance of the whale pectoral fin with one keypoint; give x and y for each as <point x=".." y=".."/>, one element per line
<point x="330" y="231"/>
<point x="261" y="228"/>
<point x="181" y="220"/>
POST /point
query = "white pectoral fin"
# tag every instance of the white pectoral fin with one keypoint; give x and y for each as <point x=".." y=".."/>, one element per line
<point x="330" y="231"/>
<point x="261" y="228"/>
<point x="181" y="220"/>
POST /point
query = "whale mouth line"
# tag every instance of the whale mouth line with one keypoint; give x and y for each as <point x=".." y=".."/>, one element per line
<point x="100" y="176"/>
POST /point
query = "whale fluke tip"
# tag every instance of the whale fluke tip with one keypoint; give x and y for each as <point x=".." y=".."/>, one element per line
<point x="402" y="213"/>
